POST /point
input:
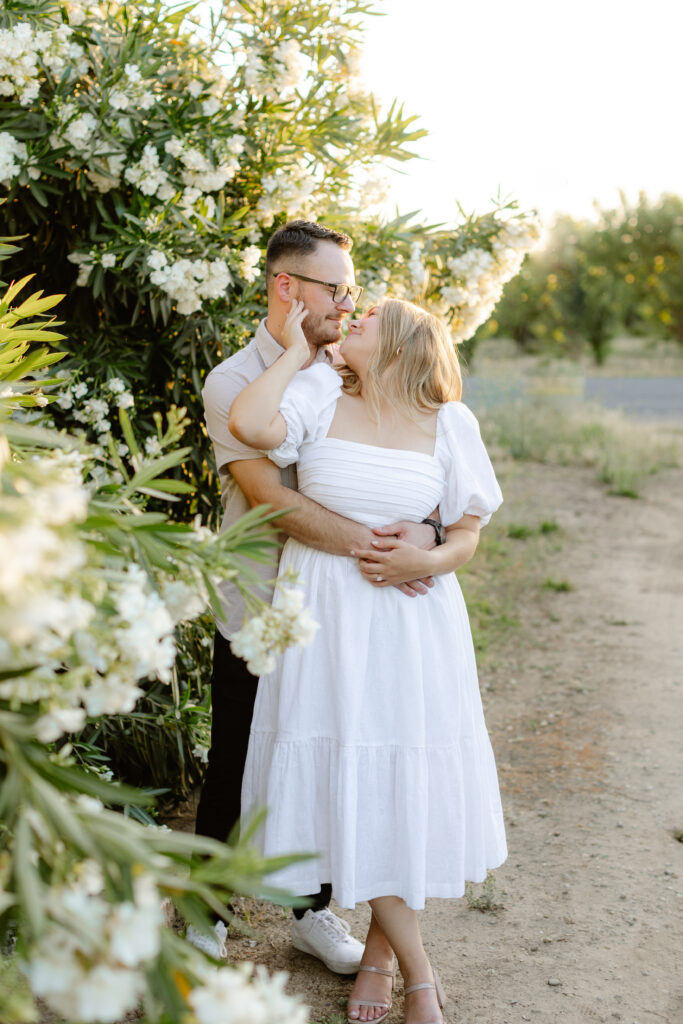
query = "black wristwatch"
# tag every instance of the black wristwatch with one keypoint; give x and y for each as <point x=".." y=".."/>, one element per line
<point x="439" y="530"/>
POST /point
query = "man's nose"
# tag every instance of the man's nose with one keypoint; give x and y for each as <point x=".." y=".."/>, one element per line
<point x="348" y="304"/>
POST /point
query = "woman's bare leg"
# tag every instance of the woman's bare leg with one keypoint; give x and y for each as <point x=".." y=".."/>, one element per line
<point x="375" y="987"/>
<point x="401" y="929"/>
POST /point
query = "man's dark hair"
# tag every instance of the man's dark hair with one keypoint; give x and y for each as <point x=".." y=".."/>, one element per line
<point x="300" y="238"/>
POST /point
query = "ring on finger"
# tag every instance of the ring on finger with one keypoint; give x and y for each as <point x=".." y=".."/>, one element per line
<point x="379" y="579"/>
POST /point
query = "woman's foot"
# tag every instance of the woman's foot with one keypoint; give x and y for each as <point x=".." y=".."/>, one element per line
<point x="423" y="1004"/>
<point x="376" y="985"/>
<point x="370" y="998"/>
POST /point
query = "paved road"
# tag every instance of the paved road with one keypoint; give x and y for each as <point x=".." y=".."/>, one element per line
<point x="652" y="397"/>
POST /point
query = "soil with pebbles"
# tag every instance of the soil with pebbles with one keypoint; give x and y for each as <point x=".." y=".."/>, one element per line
<point x="584" y="707"/>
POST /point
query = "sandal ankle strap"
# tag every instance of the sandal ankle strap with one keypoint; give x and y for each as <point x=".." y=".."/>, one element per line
<point x="377" y="970"/>
<point x="414" y="988"/>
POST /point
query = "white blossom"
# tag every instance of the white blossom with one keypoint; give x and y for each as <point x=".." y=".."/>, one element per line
<point x="277" y="627"/>
<point x="249" y="263"/>
<point x="189" y="281"/>
<point x="94" y="971"/>
<point x="147" y="174"/>
<point x="13" y="154"/>
<point x="245" y="996"/>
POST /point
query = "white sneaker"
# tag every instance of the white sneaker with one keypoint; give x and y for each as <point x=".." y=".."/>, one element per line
<point x="321" y="933"/>
<point x="212" y="944"/>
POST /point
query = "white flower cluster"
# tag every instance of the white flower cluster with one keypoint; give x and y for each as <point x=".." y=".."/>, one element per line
<point x="245" y="996"/>
<point x="85" y="263"/>
<point x="95" y="411"/>
<point x="249" y="263"/>
<point x="106" y="166"/>
<point x="75" y="128"/>
<point x="291" y="70"/>
<point x="23" y="49"/>
<point x="131" y="92"/>
<point x="479" y="276"/>
<point x="13" y="157"/>
<point x="417" y="270"/>
<point x="148" y="175"/>
<point x="198" y="171"/>
<point x="183" y="602"/>
<point x="92" y="632"/>
<point x="89" y="964"/>
<point x="277" y="627"/>
<point x="374" y="290"/>
<point x="275" y="76"/>
<point x="290" y="195"/>
<point x="187" y="282"/>
<point x="78" y="11"/>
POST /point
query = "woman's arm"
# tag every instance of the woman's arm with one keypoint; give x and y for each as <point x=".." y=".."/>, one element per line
<point x="395" y="560"/>
<point x="255" y="417"/>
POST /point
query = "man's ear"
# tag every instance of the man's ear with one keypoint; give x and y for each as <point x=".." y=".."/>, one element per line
<point x="283" y="288"/>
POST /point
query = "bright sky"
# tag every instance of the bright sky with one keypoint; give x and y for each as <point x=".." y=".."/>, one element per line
<point x="557" y="103"/>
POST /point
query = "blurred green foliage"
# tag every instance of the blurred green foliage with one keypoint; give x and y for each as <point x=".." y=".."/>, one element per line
<point x="593" y="280"/>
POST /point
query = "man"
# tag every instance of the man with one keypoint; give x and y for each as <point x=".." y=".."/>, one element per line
<point x="309" y="262"/>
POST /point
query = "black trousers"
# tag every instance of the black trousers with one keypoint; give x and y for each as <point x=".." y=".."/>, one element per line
<point x="233" y="692"/>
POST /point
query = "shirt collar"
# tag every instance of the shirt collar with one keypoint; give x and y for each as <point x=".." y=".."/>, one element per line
<point x="270" y="350"/>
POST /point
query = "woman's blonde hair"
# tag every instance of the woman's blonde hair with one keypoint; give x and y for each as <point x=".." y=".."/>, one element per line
<point x="416" y="349"/>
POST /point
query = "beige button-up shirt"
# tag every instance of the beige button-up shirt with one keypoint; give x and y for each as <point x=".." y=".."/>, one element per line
<point x="221" y="386"/>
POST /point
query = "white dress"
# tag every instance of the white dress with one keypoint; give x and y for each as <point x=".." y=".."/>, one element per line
<point x="369" y="746"/>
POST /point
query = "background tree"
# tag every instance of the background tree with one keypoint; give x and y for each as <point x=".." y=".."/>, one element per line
<point x="592" y="280"/>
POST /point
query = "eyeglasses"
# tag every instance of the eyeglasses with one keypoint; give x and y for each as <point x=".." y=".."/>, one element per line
<point x="340" y="290"/>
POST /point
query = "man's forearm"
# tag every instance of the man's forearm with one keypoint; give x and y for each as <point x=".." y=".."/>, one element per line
<point x="307" y="522"/>
<point x="315" y="526"/>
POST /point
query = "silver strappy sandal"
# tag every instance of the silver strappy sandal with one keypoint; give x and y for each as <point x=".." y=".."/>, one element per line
<point x="440" y="995"/>
<point x="366" y="1002"/>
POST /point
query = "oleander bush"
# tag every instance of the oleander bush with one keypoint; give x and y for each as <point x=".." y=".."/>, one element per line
<point x="94" y="588"/>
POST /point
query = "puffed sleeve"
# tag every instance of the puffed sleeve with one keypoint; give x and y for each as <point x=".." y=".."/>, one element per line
<point x="308" y="407"/>
<point x="471" y="485"/>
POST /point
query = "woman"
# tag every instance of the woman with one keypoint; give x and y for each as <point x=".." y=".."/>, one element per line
<point x="369" y="746"/>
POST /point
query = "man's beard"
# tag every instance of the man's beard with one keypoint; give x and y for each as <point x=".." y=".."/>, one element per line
<point x="319" y="330"/>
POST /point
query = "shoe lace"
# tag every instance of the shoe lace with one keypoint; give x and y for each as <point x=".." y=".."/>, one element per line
<point x="221" y="933"/>
<point x="332" y="924"/>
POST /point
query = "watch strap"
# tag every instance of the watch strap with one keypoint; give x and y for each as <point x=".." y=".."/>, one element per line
<point x="438" y="530"/>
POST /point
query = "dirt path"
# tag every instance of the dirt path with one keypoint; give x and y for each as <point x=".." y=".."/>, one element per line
<point x="584" y="704"/>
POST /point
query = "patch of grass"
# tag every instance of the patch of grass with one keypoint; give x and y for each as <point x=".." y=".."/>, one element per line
<point x="483" y="897"/>
<point x="490" y="584"/>
<point x="623" y="451"/>
<point x="559" y="586"/>
<point x="520" y="531"/>
<point x="624" y="492"/>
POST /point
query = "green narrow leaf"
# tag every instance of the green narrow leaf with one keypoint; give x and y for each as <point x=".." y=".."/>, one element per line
<point x="29" y="886"/>
<point x="128" y="433"/>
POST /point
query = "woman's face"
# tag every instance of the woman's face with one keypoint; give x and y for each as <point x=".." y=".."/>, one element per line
<point x="360" y="343"/>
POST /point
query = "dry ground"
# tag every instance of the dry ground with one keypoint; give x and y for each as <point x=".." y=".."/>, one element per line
<point x="583" y="702"/>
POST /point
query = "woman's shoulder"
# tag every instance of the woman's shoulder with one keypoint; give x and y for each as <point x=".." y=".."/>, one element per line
<point x="455" y="416"/>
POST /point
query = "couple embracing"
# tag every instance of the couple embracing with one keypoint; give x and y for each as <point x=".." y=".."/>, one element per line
<point x="369" y="746"/>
